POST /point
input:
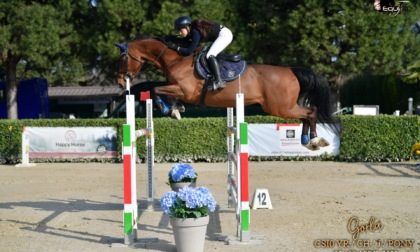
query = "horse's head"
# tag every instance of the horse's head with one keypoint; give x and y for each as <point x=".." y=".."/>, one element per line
<point x="129" y="65"/>
<point x="134" y="54"/>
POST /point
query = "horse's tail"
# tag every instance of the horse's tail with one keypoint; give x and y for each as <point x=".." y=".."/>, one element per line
<point x="315" y="91"/>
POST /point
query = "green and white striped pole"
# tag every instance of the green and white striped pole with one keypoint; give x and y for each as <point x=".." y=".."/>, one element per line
<point x="242" y="165"/>
<point x="129" y="159"/>
<point x="238" y="188"/>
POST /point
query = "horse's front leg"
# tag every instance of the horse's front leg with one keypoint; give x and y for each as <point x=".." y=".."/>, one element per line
<point x="172" y="102"/>
<point x="170" y="90"/>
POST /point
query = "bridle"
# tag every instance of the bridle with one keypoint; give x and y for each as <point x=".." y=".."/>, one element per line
<point x="124" y="55"/>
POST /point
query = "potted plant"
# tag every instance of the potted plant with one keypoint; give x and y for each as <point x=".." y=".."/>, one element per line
<point x="189" y="210"/>
<point x="181" y="175"/>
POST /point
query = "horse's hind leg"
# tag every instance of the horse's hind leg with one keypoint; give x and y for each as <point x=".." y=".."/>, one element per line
<point x="308" y="116"/>
<point x="309" y="136"/>
<point x="304" y="139"/>
<point x="309" y="129"/>
<point x="312" y="142"/>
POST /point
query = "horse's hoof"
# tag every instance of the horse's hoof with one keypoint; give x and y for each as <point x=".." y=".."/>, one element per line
<point x="311" y="147"/>
<point x="307" y="146"/>
<point x="175" y="114"/>
<point x="315" y="147"/>
<point x="319" y="142"/>
<point x="323" y="143"/>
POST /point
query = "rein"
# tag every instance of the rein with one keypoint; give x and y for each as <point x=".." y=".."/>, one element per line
<point x="178" y="61"/>
<point x="131" y="75"/>
<point x="165" y="70"/>
<point x="127" y="53"/>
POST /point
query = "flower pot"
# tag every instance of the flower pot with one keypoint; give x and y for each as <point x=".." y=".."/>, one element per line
<point x="176" y="186"/>
<point x="189" y="233"/>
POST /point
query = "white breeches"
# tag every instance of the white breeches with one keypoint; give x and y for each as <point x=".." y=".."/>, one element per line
<point x="224" y="39"/>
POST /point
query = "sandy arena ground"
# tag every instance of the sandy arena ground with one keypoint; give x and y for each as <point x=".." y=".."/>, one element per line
<point x="78" y="207"/>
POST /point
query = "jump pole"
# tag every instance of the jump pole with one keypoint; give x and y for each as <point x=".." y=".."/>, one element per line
<point x="150" y="157"/>
<point x="25" y="150"/>
<point x="129" y="152"/>
<point x="242" y="168"/>
<point x="238" y="189"/>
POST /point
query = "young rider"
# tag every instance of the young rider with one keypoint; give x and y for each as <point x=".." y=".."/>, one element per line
<point x="202" y="30"/>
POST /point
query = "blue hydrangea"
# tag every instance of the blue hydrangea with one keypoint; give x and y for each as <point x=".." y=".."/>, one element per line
<point x="194" y="202"/>
<point x="190" y="196"/>
<point x="181" y="171"/>
<point x="167" y="201"/>
<point x="207" y="198"/>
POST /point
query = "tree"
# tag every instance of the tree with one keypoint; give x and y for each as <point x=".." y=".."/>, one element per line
<point x="65" y="42"/>
<point x="160" y="17"/>
<point x="412" y="73"/>
<point x="71" y="42"/>
<point x="259" y="28"/>
<point x="32" y="36"/>
<point x="335" y="38"/>
<point x="113" y="21"/>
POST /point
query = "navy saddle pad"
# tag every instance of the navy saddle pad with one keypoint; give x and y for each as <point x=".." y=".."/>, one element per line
<point x="229" y="70"/>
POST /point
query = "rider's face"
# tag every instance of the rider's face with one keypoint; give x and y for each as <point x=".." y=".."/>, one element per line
<point x="183" y="32"/>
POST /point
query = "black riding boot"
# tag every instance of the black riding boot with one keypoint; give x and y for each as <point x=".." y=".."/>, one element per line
<point x="214" y="65"/>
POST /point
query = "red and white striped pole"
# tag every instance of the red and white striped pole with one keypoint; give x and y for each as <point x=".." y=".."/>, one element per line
<point x="129" y="158"/>
<point x="242" y="165"/>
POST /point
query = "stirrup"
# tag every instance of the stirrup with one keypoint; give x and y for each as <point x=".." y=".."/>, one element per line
<point x="216" y="85"/>
<point x="220" y="84"/>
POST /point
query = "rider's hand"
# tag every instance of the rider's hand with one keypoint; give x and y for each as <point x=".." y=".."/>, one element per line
<point x="172" y="45"/>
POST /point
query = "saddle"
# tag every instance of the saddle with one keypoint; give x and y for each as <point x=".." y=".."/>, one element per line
<point x="231" y="66"/>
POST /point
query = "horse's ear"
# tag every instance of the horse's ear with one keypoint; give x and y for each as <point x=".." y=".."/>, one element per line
<point x="123" y="47"/>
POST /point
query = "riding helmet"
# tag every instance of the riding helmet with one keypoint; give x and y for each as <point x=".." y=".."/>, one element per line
<point x="181" y="22"/>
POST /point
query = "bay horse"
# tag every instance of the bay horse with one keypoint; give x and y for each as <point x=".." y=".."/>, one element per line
<point x="278" y="90"/>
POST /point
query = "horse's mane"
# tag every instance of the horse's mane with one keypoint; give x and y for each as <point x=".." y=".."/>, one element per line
<point x="183" y="42"/>
<point x="144" y="37"/>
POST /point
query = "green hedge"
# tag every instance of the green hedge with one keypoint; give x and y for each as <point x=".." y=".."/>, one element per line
<point x="363" y="138"/>
<point x="193" y="139"/>
<point x="378" y="138"/>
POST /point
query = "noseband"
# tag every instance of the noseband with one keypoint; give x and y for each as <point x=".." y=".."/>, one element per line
<point x="124" y="57"/>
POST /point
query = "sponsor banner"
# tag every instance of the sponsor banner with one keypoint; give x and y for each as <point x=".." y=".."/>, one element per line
<point x="284" y="140"/>
<point x="72" y="142"/>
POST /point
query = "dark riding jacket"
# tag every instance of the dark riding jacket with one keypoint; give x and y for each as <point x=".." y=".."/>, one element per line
<point x="196" y="37"/>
